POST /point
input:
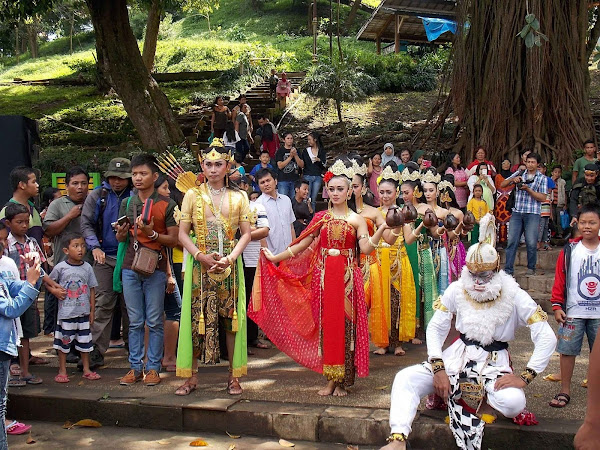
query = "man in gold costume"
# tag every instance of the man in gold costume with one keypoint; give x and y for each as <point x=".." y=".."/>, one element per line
<point x="214" y="298"/>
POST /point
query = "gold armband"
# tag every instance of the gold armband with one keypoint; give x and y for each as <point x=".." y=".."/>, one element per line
<point x="528" y="375"/>
<point x="290" y="252"/>
<point x="437" y="365"/>
<point x="538" y="316"/>
<point x="371" y="242"/>
<point x="363" y="236"/>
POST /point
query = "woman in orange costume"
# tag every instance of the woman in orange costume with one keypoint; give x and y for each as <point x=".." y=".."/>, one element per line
<point x="312" y="307"/>
<point x="369" y="265"/>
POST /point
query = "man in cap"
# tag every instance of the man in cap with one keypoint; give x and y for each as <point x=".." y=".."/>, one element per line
<point x="474" y="375"/>
<point x="100" y="211"/>
<point x="586" y="190"/>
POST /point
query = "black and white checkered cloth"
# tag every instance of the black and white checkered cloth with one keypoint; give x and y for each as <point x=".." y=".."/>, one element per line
<point x="466" y="427"/>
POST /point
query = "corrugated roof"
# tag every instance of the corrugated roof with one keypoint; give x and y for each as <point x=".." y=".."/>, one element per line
<point x="381" y="23"/>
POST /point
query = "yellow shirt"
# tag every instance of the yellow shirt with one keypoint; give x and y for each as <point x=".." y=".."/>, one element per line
<point x="478" y="207"/>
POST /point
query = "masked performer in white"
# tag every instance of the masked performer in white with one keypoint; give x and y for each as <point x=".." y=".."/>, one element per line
<point x="474" y="374"/>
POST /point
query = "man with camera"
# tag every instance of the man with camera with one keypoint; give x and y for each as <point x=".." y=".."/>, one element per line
<point x="531" y="191"/>
<point x="100" y="211"/>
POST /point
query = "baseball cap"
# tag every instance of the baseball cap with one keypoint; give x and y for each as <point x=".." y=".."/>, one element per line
<point x="118" y="167"/>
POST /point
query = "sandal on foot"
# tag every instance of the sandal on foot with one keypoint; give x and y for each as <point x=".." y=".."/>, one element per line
<point x="551" y="377"/>
<point x="92" y="376"/>
<point x="16" y="382"/>
<point x="233" y="386"/>
<point x="61" y="378"/>
<point x="584" y="383"/>
<point x="32" y="379"/>
<point x="185" y="389"/>
<point x="15" y="370"/>
<point x="562" y="400"/>
<point x="17" y="428"/>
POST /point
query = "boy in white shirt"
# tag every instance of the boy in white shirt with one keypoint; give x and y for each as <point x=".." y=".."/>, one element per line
<point x="576" y="296"/>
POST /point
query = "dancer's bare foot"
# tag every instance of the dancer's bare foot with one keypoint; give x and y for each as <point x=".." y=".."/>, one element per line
<point x="395" y="445"/>
<point x="399" y="351"/>
<point x="340" y="392"/>
<point x="328" y="390"/>
<point x="417" y="341"/>
<point x="380" y="351"/>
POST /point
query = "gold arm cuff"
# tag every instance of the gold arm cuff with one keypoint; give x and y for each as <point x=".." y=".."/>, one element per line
<point x="528" y="375"/>
<point x="371" y="242"/>
<point x="538" y="316"/>
<point x="396" y="437"/>
<point x="438" y="305"/>
<point x="185" y="217"/>
<point x="245" y="218"/>
<point x="289" y="250"/>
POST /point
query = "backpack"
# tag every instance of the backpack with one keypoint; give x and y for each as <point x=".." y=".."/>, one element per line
<point x="100" y="221"/>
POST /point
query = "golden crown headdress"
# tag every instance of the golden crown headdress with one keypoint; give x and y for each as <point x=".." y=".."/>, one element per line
<point x="184" y="181"/>
<point x="359" y="170"/>
<point x="407" y="175"/>
<point x="339" y="168"/>
<point x="389" y="174"/>
<point x="216" y="153"/>
<point x="445" y="184"/>
<point x="482" y="256"/>
<point x="429" y="177"/>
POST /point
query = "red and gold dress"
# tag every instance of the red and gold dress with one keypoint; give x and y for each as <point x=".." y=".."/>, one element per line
<point x="312" y="306"/>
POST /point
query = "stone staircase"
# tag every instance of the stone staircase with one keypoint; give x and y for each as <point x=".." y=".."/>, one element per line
<point x="539" y="286"/>
<point x="258" y="98"/>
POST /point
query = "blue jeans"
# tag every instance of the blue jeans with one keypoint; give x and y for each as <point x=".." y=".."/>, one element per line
<point x="286" y="188"/>
<point x="528" y="223"/>
<point x="570" y="335"/>
<point x="145" y="301"/>
<point x="4" y="371"/>
<point x="314" y="186"/>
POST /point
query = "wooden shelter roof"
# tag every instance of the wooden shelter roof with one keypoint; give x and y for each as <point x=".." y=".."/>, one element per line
<point x="411" y="29"/>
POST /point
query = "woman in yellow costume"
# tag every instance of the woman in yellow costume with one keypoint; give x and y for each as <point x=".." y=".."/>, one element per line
<point x="369" y="264"/>
<point x="397" y="301"/>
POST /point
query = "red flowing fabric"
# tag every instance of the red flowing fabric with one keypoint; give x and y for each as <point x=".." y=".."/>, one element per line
<point x="288" y="299"/>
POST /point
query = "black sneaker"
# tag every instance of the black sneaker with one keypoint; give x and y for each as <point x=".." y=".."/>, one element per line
<point x="72" y="358"/>
<point x="96" y="360"/>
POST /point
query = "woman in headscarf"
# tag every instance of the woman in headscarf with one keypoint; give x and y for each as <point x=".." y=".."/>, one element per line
<point x="501" y="212"/>
<point x="388" y="155"/>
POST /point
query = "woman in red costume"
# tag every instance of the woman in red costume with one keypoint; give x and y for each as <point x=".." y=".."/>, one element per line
<point x="312" y="306"/>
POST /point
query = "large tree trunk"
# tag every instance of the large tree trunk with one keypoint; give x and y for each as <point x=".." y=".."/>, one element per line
<point x="151" y="37"/>
<point x="508" y="97"/>
<point x="353" y="11"/>
<point x="121" y="62"/>
<point x="32" y="37"/>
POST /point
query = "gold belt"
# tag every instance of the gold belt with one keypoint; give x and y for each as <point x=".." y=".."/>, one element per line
<point x="337" y="251"/>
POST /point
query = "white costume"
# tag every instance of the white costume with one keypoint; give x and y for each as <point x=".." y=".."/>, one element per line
<point x="487" y="316"/>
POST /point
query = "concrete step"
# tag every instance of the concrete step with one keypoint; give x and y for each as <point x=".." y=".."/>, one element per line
<point x="546" y="260"/>
<point x="129" y="407"/>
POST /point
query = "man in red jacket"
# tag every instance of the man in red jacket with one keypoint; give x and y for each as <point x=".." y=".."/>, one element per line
<point x="576" y="296"/>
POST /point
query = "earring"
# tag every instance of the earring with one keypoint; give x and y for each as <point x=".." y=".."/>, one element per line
<point x="226" y="180"/>
<point x="364" y="190"/>
<point x="329" y="204"/>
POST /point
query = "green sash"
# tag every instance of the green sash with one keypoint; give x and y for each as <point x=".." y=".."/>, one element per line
<point x="122" y="249"/>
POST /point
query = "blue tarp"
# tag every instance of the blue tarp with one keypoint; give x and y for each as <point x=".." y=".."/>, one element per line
<point x="436" y="27"/>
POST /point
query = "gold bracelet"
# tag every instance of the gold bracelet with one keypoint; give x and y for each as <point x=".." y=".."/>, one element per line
<point x="397" y="437"/>
<point x="371" y="242"/>
<point x="230" y="259"/>
<point x="528" y="375"/>
<point x="196" y="255"/>
<point x="415" y="235"/>
<point x="290" y="252"/>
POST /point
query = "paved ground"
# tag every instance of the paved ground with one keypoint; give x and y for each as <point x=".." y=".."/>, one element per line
<point x="273" y="376"/>
<point x="52" y="435"/>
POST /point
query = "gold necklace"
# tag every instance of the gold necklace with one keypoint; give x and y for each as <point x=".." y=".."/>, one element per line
<point x="340" y="216"/>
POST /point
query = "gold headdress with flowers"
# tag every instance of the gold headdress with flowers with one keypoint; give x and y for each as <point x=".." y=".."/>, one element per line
<point x="216" y="153"/>
<point x="483" y="256"/>
<point x="339" y="168"/>
<point x="445" y="184"/>
<point x="407" y="175"/>
<point x="359" y="170"/>
<point x="429" y="177"/>
<point x="445" y="187"/>
<point x="389" y="174"/>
